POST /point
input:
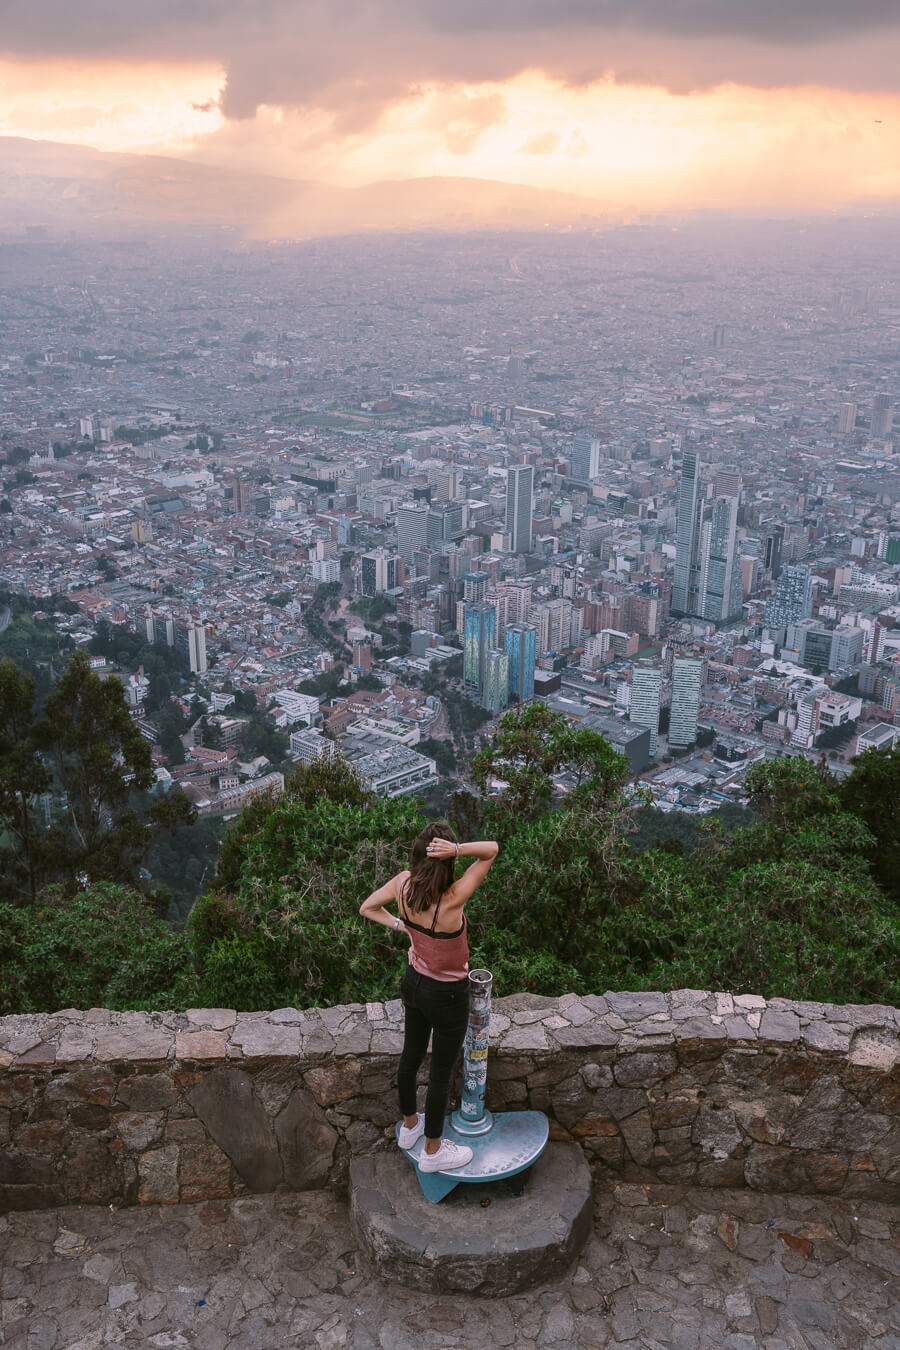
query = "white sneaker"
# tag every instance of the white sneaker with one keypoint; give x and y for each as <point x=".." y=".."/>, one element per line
<point x="448" y="1157"/>
<point x="406" y="1138"/>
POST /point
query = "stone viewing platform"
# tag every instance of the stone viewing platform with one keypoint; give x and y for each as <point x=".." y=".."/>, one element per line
<point x="672" y="1267"/>
<point x="745" y="1157"/>
<point x="685" y="1088"/>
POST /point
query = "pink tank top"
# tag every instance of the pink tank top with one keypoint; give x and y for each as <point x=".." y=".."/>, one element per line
<point x="440" y="956"/>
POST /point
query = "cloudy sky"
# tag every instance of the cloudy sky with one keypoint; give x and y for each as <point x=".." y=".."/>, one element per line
<point x="650" y="103"/>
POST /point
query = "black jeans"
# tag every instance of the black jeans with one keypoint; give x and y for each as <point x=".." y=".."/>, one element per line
<point x="440" y="1009"/>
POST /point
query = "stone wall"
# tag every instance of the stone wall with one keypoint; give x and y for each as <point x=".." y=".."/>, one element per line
<point x="124" y="1107"/>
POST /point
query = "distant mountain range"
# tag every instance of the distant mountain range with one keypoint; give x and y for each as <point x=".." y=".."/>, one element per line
<point x="74" y="188"/>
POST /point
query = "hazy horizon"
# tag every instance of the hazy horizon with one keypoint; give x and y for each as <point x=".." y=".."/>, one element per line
<point x="639" y="109"/>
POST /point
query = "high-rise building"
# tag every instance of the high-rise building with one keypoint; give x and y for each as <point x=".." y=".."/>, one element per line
<point x="646" y="686"/>
<point x="495" y="690"/>
<point x="792" y="599"/>
<point x="380" y="571"/>
<point x="687" y="677"/>
<point x="519" y="506"/>
<point x="190" y="645"/>
<point x="846" y="418"/>
<point x="684" y="588"/>
<point x="882" y="417"/>
<point x="478" y="639"/>
<point x="720" y="587"/>
<point x="585" y="456"/>
<point x="520" y="648"/>
<point x="418" y="526"/>
<point x="475" y="585"/>
<point x="773" y="545"/>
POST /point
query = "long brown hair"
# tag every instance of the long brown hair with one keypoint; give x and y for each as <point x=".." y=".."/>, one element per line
<point x="428" y="877"/>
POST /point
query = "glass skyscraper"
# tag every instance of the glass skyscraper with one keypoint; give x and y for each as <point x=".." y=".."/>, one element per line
<point x="478" y="639"/>
<point x="519" y="506"/>
<point x="521" y="641"/>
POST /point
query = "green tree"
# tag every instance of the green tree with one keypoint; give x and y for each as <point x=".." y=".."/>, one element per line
<point x="872" y="793"/>
<point x="100" y="760"/>
<point x="23" y="776"/>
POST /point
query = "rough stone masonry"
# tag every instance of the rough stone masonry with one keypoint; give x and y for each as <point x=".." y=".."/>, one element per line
<point x="689" y="1087"/>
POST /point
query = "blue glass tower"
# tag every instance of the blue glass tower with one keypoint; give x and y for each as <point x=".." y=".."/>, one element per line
<point x="520" y="648"/>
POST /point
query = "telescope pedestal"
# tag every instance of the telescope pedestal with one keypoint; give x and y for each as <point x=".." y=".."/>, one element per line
<point x="502" y="1145"/>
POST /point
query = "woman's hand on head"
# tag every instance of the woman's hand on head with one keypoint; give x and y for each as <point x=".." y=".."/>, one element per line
<point x="442" y="848"/>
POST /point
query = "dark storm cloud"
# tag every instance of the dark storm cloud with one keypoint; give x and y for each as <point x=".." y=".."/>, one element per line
<point x="355" y="57"/>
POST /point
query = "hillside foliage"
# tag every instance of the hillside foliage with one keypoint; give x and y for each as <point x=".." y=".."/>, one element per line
<point x="792" y="898"/>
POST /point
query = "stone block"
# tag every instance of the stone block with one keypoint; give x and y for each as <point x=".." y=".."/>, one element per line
<point x="215" y="1019"/>
<point x="90" y="1174"/>
<point x="43" y="1136"/>
<point x="147" y="1092"/>
<point x="306" y="1141"/>
<point x="779" y="1026"/>
<point x="158" y="1176"/>
<point x="638" y="1135"/>
<point x="226" y="1103"/>
<point x="876" y="1048"/>
<point x="204" y="1171"/>
<point x="716" y="1131"/>
<point x="386" y="1042"/>
<point x="42" y="1053"/>
<point x="699" y="1029"/>
<point x="826" y="1171"/>
<point x="260" y="1040"/>
<point x="76" y="1044"/>
<point x="138" y="1129"/>
<point x="821" y="1035"/>
<point x="830" y="1117"/>
<point x="635" y="1007"/>
<point x="587" y="1036"/>
<point x="201" y="1046"/>
<point x="133" y="1043"/>
<point x="886" y="1156"/>
<point x="644" y="1068"/>
<point x="769" y="1168"/>
<point x="95" y="1085"/>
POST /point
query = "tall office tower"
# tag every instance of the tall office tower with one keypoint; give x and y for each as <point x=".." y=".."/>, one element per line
<point x="727" y="481"/>
<point x="684" y="586"/>
<point x="380" y="571"/>
<point x="792" y="600"/>
<point x="448" y="485"/>
<point x="749" y="574"/>
<point x="413" y="528"/>
<point x="646" y="685"/>
<point x="475" y="585"/>
<point x="719" y="335"/>
<point x="846" y="418"/>
<point x="519" y="506"/>
<point x="774" y="543"/>
<point x="501" y="614"/>
<point x="242" y="496"/>
<point x="585" y="456"/>
<point x="518" y="595"/>
<point x="495" y="692"/>
<point x="478" y="639"/>
<point x="520" y="648"/>
<point x="807" y="726"/>
<point x="882" y="416"/>
<point x="720" y="588"/>
<point x="687" y="676"/>
<point x="164" y="630"/>
<point x="190" y="644"/>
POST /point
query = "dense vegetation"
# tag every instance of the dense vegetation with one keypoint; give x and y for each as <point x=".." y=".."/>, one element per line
<point x="800" y="897"/>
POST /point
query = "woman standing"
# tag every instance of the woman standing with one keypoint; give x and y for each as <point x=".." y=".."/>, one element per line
<point x="435" y="984"/>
